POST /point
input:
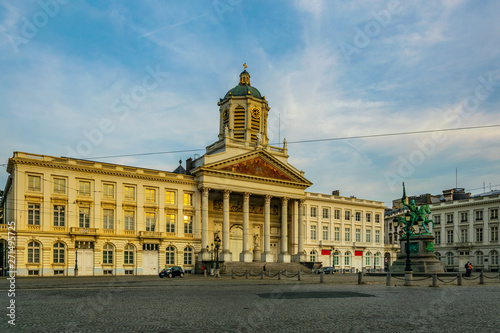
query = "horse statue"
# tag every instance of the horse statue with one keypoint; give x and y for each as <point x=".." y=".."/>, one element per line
<point x="423" y="211"/>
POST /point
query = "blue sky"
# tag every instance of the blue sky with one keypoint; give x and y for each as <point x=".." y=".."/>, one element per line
<point x="91" y="79"/>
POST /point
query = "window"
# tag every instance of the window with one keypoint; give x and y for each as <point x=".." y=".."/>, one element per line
<point x="170" y="255"/>
<point x="464" y="236"/>
<point x="34" y="183"/>
<point x="325" y="232"/>
<point x="449" y="236"/>
<point x="336" y="258"/>
<point x="494" y="234"/>
<point x="376" y="259"/>
<point x="438" y="256"/>
<point x="437" y="236"/>
<point x="347" y="258"/>
<point x="449" y="259"/>
<point x="170" y="197"/>
<point x="347" y="215"/>
<point x="337" y="234"/>
<point x="368" y="235"/>
<point x="128" y="254"/>
<point x="108" y="217"/>
<point x="129" y="193"/>
<point x="449" y="218"/>
<point x="151" y="195"/>
<point x="437" y="219"/>
<point x="188" y="256"/>
<point x="60" y="185"/>
<point x="188" y="199"/>
<point x="479" y="215"/>
<point x="377" y="236"/>
<point x="59" y="215"/>
<point x="325" y="213"/>
<point x="33" y="253"/>
<point x="58" y="253"/>
<point x="84" y="188"/>
<point x="479" y="258"/>
<point x="170" y="223"/>
<point x="368" y="217"/>
<point x="337" y="214"/>
<point x="479" y="235"/>
<point x="33" y="214"/>
<point x="108" y="191"/>
<point x="313" y="211"/>
<point x="358" y="235"/>
<point x="494" y="214"/>
<point x="150" y="221"/>
<point x="367" y="259"/>
<point x="463" y="217"/>
<point x="129" y="217"/>
<point x="347" y="234"/>
<point x="312" y="256"/>
<point x="107" y="254"/>
<point x="377" y="218"/>
<point x="494" y="258"/>
<point x="188" y="224"/>
<point x="358" y="216"/>
<point x="84" y="217"/>
<point x="313" y="232"/>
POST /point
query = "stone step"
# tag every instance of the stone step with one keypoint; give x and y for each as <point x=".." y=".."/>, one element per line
<point x="256" y="267"/>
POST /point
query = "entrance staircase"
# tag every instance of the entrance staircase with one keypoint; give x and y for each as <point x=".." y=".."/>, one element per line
<point x="256" y="267"/>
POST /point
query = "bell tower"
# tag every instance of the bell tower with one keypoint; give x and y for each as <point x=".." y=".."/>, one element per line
<point x="243" y="114"/>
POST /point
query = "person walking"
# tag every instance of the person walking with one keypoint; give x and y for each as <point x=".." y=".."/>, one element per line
<point x="468" y="268"/>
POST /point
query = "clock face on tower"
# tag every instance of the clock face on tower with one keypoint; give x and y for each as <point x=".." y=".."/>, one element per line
<point x="225" y="114"/>
<point x="256" y="113"/>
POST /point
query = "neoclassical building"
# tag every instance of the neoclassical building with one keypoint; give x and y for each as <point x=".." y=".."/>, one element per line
<point x="100" y="218"/>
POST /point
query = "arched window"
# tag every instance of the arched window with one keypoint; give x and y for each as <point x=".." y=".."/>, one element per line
<point x="58" y="253"/>
<point x="438" y="256"/>
<point x="367" y="259"/>
<point x="107" y="254"/>
<point x="479" y="258"/>
<point x="188" y="255"/>
<point x="336" y="258"/>
<point x="376" y="259"/>
<point x="347" y="258"/>
<point x="494" y="258"/>
<point x="170" y="255"/>
<point x="312" y="256"/>
<point x="33" y="253"/>
<point x="449" y="259"/>
<point x="128" y="253"/>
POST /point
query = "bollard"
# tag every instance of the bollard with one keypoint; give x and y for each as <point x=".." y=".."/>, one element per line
<point x="388" y="279"/>
<point x="360" y="278"/>
<point x="284" y="273"/>
<point x="408" y="278"/>
<point x="232" y="274"/>
<point x="321" y="277"/>
<point x="459" y="279"/>
<point x="434" y="280"/>
<point x="262" y="275"/>
<point x="205" y="273"/>
<point x="279" y="274"/>
<point x="246" y="275"/>
<point x="298" y="276"/>
<point x="481" y="277"/>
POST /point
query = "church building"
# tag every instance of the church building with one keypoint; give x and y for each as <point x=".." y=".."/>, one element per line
<point x="96" y="218"/>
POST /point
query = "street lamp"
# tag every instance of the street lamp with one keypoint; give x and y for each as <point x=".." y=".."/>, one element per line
<point x="76" y="259"/>
<point x="406" y="226"/>
<point x="217" y="247"/>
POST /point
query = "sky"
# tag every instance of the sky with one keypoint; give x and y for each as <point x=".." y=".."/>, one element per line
<point x="93" y="79"/>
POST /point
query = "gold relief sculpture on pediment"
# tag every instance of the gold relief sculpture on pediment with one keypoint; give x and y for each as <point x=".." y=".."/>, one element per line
<point x="257" y="167"/>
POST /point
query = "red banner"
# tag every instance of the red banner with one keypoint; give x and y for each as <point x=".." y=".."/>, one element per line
<point x="325" y="252"/>
<point x="358" y="253"/>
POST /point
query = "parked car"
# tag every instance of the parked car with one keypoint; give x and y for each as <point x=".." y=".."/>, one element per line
<point x="326" y="270"/>
<point x="172" y="272"/>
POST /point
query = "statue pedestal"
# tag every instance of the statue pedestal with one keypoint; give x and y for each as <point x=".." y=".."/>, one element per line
<point x="422" y="257"/>
<point x="257" y="254"/>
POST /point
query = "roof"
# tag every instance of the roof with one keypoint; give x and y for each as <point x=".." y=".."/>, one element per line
<point x="244" y="87"/>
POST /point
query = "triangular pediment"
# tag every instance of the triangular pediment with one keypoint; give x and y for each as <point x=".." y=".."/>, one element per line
<point x="261" y="165"/>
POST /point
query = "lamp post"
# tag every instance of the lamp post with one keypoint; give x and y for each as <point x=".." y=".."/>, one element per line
<point x="407" y="229"/>
<point x="76" y="259"/>
<point x="217" y="247"/>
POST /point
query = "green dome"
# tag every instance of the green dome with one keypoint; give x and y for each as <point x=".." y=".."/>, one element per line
<point x="244" y="88"/>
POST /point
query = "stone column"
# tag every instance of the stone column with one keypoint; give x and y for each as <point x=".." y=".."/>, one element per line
<point x="284" y="256"/>
<point x="301" y="254"/>
<point x="205" y="255"/>
<point x="267" y="255"/>
<point x="226" y="254"/>
<point x="246" y="255"/>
